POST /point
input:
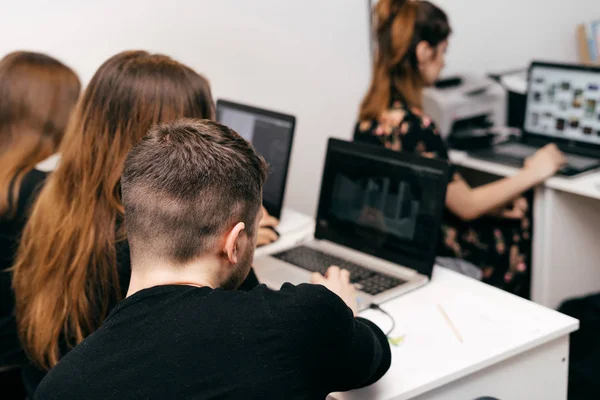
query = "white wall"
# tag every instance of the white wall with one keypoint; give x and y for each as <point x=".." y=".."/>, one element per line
<point x="309" y="58"/>
<point x="493" y="35"/>
<point x="306" y="57"/>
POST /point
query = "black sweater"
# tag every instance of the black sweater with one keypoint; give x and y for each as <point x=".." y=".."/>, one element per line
<point x="10" y="233"/>
<point x="184" y="342"/>
<point x="11" y="352"/>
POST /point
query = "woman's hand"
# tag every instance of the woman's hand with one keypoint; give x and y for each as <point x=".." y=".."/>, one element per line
<point x="266" y="229"/>
<point x="545" y="162"/>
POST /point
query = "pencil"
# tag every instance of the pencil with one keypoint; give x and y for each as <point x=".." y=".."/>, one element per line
<point x="449" y="322"/>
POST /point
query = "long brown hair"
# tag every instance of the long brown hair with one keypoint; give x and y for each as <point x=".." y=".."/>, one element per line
<point x="37" y="95"/>
<point x="66" y="276"/>
<point x="400" y="26"/>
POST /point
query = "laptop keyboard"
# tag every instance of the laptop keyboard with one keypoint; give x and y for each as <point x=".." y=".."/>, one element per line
<point x="575" y="164"/>
<point x="368" y="281"/>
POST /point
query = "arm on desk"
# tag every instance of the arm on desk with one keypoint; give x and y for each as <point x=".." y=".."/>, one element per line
<point x="356" y="351"/>
<point x="359" y="353"/>
<point x="364" y="356"/>
<point x="471" y="203"/>
<point x="343" y="352"/>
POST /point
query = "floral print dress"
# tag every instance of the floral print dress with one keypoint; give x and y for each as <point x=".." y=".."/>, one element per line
<point x="499" y="243"/>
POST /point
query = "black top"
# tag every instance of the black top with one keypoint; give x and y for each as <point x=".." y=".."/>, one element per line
<point x="184" y="342"/>
<point x="32" y="376"/>
<point x="11" y="352"/>
<point x="10" y="232"/>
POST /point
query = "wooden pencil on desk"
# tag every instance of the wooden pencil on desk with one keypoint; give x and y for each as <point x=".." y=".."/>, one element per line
<point x="449" y="322"/>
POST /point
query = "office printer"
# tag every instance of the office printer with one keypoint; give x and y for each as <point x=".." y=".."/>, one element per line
<point x="462" y="105"/>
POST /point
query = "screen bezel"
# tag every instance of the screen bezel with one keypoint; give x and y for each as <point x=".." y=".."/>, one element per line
<point x="424" y="266"/>
<point x="564" y="143"/>
<point x="274" y="209"/>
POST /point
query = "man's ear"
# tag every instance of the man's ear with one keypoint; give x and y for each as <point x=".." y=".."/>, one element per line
<point x="425" y="52"/>
<point x="232" y="241"/>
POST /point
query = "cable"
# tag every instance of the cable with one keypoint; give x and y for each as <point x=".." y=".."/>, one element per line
<point x="376" y="307"/>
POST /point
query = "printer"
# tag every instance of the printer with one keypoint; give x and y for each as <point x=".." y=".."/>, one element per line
<point x="459" y="105"/>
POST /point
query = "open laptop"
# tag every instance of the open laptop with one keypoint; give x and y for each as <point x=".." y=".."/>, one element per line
<point x="379" y="217"/>
<point x="563" y="107"/>
<point x="271" y="133"/>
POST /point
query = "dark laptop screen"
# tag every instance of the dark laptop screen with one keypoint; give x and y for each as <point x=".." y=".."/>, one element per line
<point x="383" y="203"/>
<point x="563" y="102"/>
<point x="271" y="134"/>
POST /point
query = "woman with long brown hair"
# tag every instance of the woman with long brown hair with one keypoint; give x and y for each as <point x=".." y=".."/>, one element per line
<point x="37" y="95"/>
<point x="72" y="266"/>
<point x="485" y="225"/>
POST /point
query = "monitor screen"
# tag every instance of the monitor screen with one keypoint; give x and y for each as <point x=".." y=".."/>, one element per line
<point x="564" y="103"/>
<point x="271" y="135"/>
<point x="383" y="203"/>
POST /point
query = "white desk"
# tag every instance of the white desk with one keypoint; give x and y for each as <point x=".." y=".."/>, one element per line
<point x="566" y="233"/>
<point x="512" y="348"/>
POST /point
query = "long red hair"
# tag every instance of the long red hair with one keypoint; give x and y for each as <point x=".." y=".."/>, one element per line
<point x="65" y="275"/>
<point x="400" y="25"/>
<point x="37" y="95"/>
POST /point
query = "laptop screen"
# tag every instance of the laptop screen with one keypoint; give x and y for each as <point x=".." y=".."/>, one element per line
<point x="271" y="134"/>
<point x="383" y="203"/>
<point x="564" y="102"/>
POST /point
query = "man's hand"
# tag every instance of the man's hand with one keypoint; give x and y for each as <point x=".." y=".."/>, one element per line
<point x="338" y="281"/>
<point x="266" y="229"/>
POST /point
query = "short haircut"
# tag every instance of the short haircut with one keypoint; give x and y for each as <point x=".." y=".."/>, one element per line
<point x="186" y="183"/>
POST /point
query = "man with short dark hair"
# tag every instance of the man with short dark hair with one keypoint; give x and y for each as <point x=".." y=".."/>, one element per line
<point x="192" y="192"/>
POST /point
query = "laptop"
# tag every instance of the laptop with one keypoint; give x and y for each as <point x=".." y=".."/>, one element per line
<point x="271" y="133"/>
<point x="562" y="107"/>
<point x="379" y="217"/>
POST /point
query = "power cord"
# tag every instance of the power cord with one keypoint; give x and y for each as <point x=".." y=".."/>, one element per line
<point x="374" y="306"/>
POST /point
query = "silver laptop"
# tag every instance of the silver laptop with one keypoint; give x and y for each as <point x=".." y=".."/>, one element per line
<point x="379" y="217"/>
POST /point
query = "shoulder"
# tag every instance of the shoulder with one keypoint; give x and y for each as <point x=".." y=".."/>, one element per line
<point x="54" y="383"/>
<point x="32" y="181"/>
<point x="419" y="121"/>
<point x="303" y="295"/>
<point x="34" y="178"/>
<point x="311" y="306"/>
<point x="31" y="184"/>
<point x="365" y="130"/>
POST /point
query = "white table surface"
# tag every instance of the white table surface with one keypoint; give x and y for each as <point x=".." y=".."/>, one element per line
<point x="494" y="326"/>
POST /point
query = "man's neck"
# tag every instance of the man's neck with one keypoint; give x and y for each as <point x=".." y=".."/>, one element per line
<point x="145" y="275"/>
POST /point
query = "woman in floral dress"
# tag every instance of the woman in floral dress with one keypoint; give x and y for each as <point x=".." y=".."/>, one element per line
<point x="488" y="225"/>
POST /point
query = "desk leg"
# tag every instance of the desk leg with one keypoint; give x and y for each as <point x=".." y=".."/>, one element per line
<point x="542" y="222"/>
<point x="541" y="373"/>
<point x="566" y="247"/>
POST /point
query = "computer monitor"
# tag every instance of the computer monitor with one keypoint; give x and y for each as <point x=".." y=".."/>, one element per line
<point x="271" y="133"/>
<point x="384" y="203"/>
<point x="563" y="103"/>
